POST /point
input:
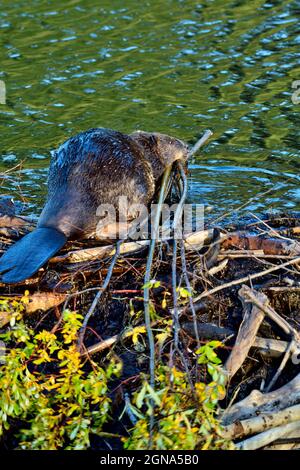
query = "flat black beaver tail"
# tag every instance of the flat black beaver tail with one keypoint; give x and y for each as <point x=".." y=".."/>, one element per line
<point x="29" y="254"/>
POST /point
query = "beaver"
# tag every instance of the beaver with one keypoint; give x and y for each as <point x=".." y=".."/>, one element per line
<point x="93" y="168"/>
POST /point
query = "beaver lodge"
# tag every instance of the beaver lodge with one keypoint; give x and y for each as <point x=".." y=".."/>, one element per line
<point x="204" y="333"/>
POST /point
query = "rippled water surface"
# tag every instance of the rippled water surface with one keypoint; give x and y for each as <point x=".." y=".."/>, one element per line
<point x="172" y="66"/>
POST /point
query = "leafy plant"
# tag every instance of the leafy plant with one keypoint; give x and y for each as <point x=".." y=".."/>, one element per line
<point x="185" y="419"/>
<point x="46" y="390"/>
<point x="51" y="397"/>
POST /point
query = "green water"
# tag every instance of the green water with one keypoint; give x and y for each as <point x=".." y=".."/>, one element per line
<point x="172" y="66"/>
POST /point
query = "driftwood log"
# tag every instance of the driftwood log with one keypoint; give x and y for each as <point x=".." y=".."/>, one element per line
<point x="262" y="422"/>
<point x="253" y="317"/>
<point x="258" y="402"/>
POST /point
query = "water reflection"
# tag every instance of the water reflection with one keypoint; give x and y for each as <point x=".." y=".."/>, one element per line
<point x="174" y="66"/>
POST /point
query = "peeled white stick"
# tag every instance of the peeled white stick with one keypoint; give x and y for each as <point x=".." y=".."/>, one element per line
<point x="265" y="438"/>
<point x="207" y="134"/>
<point x="193" y="241"/>
<point x="261" y="423"/>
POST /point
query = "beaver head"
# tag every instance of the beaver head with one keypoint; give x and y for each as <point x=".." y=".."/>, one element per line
<point x="160" y="150"/>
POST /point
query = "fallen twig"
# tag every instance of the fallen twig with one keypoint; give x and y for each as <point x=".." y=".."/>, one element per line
<point x="207" y="134"/>
<point x="38" y="301"/>
<point x="236" y="282"/>
<point x="269" y="246"/>
<point x="272" y="347"/>
<point x="291" y="347"/>
<point x="253" y="296"/>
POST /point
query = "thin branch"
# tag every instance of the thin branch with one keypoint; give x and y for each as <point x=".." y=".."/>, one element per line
<point x="281" y="322"/>
<point x="176" y="325"/>
<point x="175" y="313"/>
<point x="178" y="212"/>
<point x="207" y="134"/>
<point x="283" y="363"/>
<point x="99" y="294"/>
<point x="155" y="231"/>
<point x="188" y="286"/>
<point x="236" y="282"/>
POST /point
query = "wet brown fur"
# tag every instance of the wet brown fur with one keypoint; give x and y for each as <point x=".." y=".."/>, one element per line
<point x="97" y="167"/>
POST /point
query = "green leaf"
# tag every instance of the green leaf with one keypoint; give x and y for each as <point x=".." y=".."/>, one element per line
<point x="140" y="397"/>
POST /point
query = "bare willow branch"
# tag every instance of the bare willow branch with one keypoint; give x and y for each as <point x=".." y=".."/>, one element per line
<point x="207" y="134"/>
<point x="179" y="210"/>
<point x="98" y="295"/>
<point x="147" y="278"/>
<point x="188" y="286"/>
<point x="283" y="363"/>
<point x="252" y="296"/>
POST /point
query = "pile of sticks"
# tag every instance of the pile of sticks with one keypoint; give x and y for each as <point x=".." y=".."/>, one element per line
<point x="235" y="280"/>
